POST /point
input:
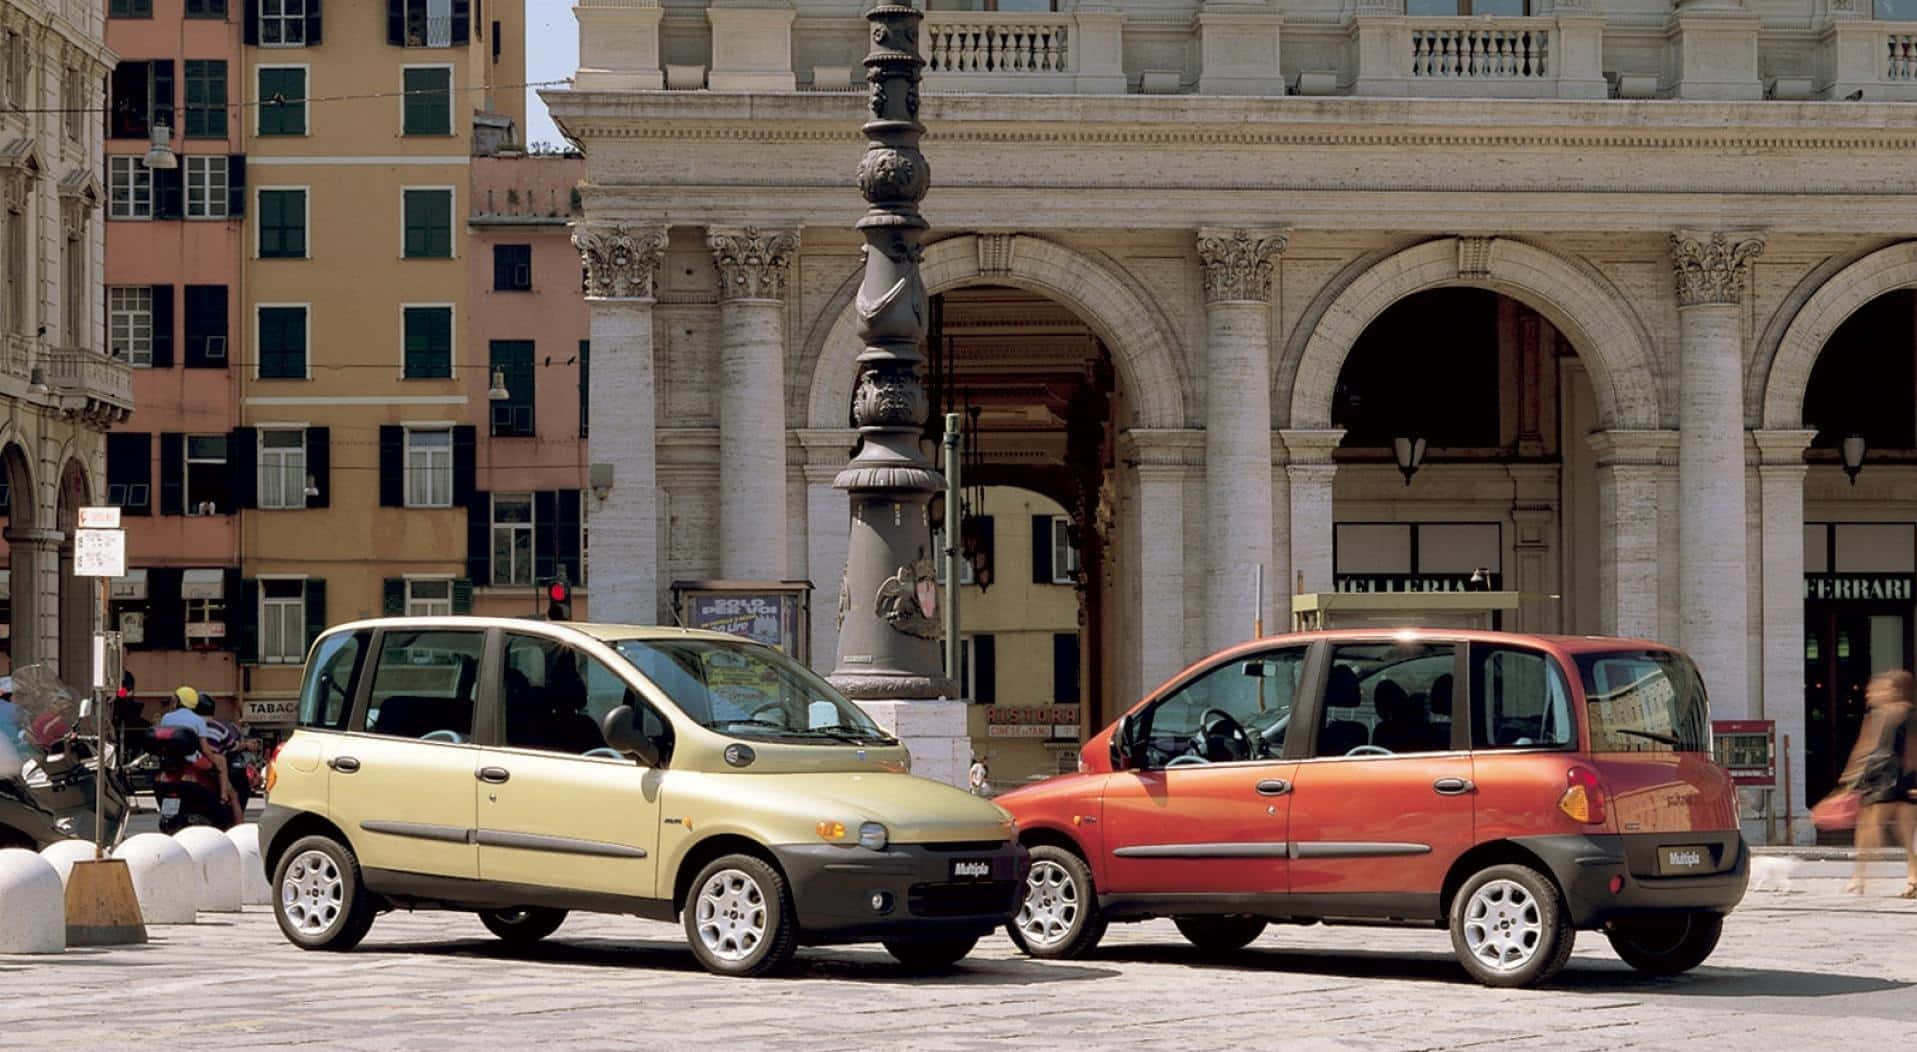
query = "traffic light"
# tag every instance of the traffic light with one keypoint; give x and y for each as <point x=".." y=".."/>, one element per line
<point x="559" y="600"/>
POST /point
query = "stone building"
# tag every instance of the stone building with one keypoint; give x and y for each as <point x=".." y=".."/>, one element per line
<point x="1629" y="275"/>
<point x="59" y="391"/>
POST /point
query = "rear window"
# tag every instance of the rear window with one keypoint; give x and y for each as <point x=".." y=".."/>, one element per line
<point x="1644" y="701"/>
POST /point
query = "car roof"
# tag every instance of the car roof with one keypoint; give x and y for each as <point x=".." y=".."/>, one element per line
<point x="606" y="633"/>
<point x="1573" y="644"/>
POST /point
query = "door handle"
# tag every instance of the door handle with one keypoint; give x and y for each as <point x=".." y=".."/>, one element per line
<point x="1273" y="787"/>
<point x="495" y="775"/>
<point x="1453" y="786"/>
<point x="344" y="764"/>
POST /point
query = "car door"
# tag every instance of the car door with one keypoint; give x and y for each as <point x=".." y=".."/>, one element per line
<point x="1383" y="807"/>
<point x="557" y="808"/>
<point x="402" y="783"/>
<point x="1200" y="808"/>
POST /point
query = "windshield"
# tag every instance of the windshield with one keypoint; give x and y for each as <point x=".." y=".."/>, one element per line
<point x="1644" y="701"/>
<point x="750" y="691"/>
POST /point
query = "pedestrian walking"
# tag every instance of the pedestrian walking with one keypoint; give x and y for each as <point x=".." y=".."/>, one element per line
<point x="980" y="777"/>
<point x="1883" y="773"/>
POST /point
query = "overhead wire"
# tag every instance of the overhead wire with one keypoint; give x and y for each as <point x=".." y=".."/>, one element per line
<point x="280" y="100"/>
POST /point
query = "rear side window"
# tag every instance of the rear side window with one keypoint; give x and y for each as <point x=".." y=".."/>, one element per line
<point x="1644" y="701"/>
<point x="1519" y="700"/>
<point x="424" y="685"/>
<point x="326" y="699"/>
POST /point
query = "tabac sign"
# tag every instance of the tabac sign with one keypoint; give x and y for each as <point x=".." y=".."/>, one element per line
<point x="1860" y="587"/>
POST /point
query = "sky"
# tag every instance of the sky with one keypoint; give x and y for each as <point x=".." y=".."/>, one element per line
<point x="552" y="53"/>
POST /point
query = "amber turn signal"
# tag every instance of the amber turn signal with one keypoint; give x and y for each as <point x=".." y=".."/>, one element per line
<point x="1583" y="799"/>
<point x="831" y="830"/>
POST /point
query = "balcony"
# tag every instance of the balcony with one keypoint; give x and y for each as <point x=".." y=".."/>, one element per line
<point x="1037" y="52"/>
<point x="1550" y="57"/>
<point x="88" y="384"/>
<point x="1878" y="59"/>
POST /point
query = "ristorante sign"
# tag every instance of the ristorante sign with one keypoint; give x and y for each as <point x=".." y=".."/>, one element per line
<point x="1855" y="587"/>
<point x="1392" y="582"/>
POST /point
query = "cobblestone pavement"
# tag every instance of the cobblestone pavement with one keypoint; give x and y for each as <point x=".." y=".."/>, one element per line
<point x="1804" y="968"/>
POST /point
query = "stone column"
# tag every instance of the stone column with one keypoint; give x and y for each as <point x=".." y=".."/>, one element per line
<point x="621" y="264"/>
<point x="1310" y="471"/>
<point x="1237" y="280"/>
<point x="753" y="266"/>
<point x="34" y="583"/>
<point x="828" y="526"/>
<point x="1780" y="474"/>
<point x="1629" y="466"/>
<point x="1711" y="271"/>
<point x="1162" y="462"/>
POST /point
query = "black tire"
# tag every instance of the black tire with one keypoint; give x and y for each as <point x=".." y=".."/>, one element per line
<point x="1220" y="934"/>
<point x="756" y="888"/>
<point x="929" y="955"/>
<point x="319" y="920"/>
<point x="523" y="925"/>
<point x="1516" y="898"/>
<point x="1059" y="884"/>
<point x="1666" y="945"/>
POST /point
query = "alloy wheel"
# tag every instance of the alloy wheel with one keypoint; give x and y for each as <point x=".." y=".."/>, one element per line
<point x="1051" y="904"/>
<point x="731" y="915"/>
<point x="313" y="895"/>
<point x="1503" y="925"/>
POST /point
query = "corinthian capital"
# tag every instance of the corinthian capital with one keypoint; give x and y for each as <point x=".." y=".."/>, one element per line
<point x="621" y="262"/>
<point x="1238" y="262"/>
<point x="1712" y="268"/>
<point x="753" y="264"/>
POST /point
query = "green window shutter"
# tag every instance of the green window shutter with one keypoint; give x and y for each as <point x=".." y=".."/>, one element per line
<point x="206" y="98"/>
<point x="429" y="343"/>
<point x="393" y="594"/>
<point x="429" y="224"/>
<point x="282" y="343"/>
<point x="513" y="361"/>
<point x="282" y="224"/>
<point x="462" y="596"/>
<point x="315" y="609"/>
<point x="286" y="117"/>
<point x="245" y="622"/>
<point x="429" y="104"/>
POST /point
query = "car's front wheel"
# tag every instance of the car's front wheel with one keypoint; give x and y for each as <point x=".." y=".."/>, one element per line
<point x="1509" y="928"/>
<point x="739" y="920"/>
<point x="929" y="954"/>
<point x="319" y="900"/>
<point x="523" y="925"/>
<point x="1220" y="934"/>
<point x="1058" y="917"/>
<point x="1665" y="945"/>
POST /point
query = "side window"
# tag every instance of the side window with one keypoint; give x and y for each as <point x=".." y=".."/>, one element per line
<point x="326" y="699"/>
<point x="556" y="697"/>
<point x="1388" y="697"/>
<point x="1237" y="711"/>
<point x="423" y="685"/>
<point x="1519" y="700"/>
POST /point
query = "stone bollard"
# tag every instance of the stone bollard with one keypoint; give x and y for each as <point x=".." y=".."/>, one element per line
<point x="256" y="888"/>
<point x="64" y="853"/>
<point x="165" y="880"/>
<point x="33" y="907"/>
<point x="218" y="862"/>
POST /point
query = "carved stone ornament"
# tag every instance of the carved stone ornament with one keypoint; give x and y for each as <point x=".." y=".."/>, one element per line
<point x="1238" y="263"/>
<point x="621" y="262"/>
<point x="1712" y="268"/>
<point x="752" y="265"/>
<point x="995" y="254"/>
<point x="1474" y="258"/>
<point x="887" y="397"/>
<point x="16" y="186"/>
<point x="908" y="600"/>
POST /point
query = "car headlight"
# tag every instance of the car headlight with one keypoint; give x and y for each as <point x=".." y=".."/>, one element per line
<point x="872" y="835"/>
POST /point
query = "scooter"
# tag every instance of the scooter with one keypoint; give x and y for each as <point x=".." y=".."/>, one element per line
<point x="59" y="770"/>
<point x="186" y="785"/>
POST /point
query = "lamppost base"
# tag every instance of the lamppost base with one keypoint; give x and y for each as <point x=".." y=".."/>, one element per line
<point x="933" y="731"/>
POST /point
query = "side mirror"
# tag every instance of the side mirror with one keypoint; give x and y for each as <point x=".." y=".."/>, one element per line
<point x="621" y="731"/>
<point x="1118" y="743"/>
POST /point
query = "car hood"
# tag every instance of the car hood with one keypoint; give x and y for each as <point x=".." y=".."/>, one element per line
<point x="914" y="810"/>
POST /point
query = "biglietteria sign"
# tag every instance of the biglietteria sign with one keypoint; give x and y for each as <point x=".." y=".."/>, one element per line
<point x="1378" y="582"/>
<point x="1859" y="586"/>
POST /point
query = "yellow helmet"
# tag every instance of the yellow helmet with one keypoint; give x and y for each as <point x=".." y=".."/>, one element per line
<point x="186" y="698"/>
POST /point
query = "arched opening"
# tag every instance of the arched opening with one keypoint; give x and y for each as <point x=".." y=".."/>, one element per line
<point x="1464" y="464"/>
<point x="77" y="597"/>
<point x="22" y="563"/>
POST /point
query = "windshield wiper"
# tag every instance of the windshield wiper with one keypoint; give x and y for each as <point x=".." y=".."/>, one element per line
<point x="716" y="724"/>
<point x="1661" y="738"/>
<point x="848" y="733"/>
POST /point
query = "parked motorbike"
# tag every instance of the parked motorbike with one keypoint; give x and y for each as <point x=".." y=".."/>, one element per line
<point x="186" y="785"/>
<point x="54" y="797"/>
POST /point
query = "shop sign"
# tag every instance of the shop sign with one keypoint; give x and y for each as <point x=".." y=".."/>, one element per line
<point x="1747" y="749"/>
<point x="270" y="710"/>
<point x="1859" y="586"/>
<point x="1397" y="582"/>
<point x="1032" y="721"/>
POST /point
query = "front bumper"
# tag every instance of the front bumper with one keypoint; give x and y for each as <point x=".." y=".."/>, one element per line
<point x="852" y="894"/>
<point x="1585" y="866"/>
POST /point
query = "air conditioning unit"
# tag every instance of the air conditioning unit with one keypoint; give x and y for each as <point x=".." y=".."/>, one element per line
<point x="132" y="627"/>
<point x="216" y="348"/>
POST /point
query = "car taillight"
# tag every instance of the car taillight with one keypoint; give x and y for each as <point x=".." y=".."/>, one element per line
<point x="1583" y="799"/>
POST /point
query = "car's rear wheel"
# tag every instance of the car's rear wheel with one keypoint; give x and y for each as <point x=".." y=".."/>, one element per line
<point x="1666" y="945"/>
<point x="1509" y="928"/>
<point x="1220" y="934"/>
<point x="1058" y="917"/>
<point x="523" y="925"/>
<point x="319" y="900"/>
<point x="739" y="920"/>
<point x="929" y="954"/>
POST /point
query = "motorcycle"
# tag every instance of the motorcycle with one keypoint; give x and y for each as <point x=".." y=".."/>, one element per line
<point x="186" y="785"/>
<point x="54" y="796"/>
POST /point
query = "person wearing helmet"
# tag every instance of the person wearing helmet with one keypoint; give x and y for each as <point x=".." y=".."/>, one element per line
<point x="183" y="714"/>
<point x="9" y="730"/>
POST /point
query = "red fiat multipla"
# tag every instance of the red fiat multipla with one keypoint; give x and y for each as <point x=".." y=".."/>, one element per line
<point x="1514" y="788"/>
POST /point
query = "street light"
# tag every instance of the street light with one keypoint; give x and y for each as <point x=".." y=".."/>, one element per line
<point x="159" y="154"/>
<point x="1409" y="450"/>
<point x="1852" y="449"/>
<point x="499" y="392"/>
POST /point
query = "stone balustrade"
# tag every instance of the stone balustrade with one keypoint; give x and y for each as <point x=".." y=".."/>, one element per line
<point x="89" y="383"/>
<point x="1516" y="48"/>
<point x="1901" y="63"/>
<point x="1872" y="60"/>
<point x="968" y="42"/>
<point x="1544" y="57"/>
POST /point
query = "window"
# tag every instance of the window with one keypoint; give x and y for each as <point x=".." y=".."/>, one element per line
<point x="18" y="283"/>
<point x="1394" y="696"/>
<point x="130" y="471"/>
<point x="1644" y="701"/>
<point x="429" y="343"/>
<point x="282" y="467"/>
<point x="428" y="108"/>
<point x="282" y="99"/>
<point x="429" y="468"/>
<point x="204" y="593"/>
<point x="556" y="697"/>
<point x="938" y="558"/>
<point x="130" y="323"/>
<point x="512" y="538"/>
<point x="512" y="268"/>
<point x="282" y="23"/>
<point x="206" y="8"/>
<point x="206" y="326"/>
<point x="424" y="683"/>
<point x="283" y="224"/>
<point x="282" y="622"/>
<point x="142" y="95"/>
<point x="283" y="343"/>
<point x="206" y="98"/>
<point x="512" y="361"/>
<point x="207" y="485"/>
<point x="429" y="598"/>
<point x="19" y="55"/>
<point x="1466" y="8"/>
<point x="1235" y="711"/>
<point x="77" y="103"/>
<point x="130" y="9"/>
<point x="326" y="698"/>
<point x="428" y="23"/>
<point x="1519" y="700"/>
<point x="206" y="187"/>
<point x="1896" y="10"/>
<point x="129" y="188"/>
<point x="77" y="319"/>
<point x="749" y="692"/>
<point x="1064" y="552"/>
<point x="429" y="224"/>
